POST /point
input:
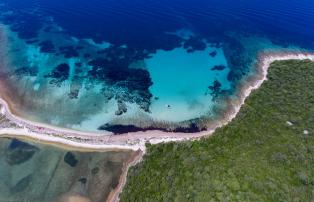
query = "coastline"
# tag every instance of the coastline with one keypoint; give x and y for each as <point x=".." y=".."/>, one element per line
<point x="137" y="140"/>
<point x="114" y="194"/>
<point x="69" y="138"/>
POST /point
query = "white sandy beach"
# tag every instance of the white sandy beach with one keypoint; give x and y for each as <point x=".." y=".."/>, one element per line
<point x="137" y="140"/>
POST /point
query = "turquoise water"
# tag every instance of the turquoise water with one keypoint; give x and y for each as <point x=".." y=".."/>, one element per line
<point x="181" y="80"/>
<point x="156" y="65"/>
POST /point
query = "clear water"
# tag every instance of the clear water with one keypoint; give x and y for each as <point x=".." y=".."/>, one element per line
<point x="158" y="64"/>
<point x="36" y="172"/>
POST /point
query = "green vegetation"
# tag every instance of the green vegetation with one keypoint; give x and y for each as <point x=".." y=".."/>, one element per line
<point x="259" y="156"/>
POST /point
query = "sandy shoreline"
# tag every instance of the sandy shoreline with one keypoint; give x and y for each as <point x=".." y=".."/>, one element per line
<point x="114" y="194"/>
<point x="137" y="140"/>
<point x="104" y="141"/>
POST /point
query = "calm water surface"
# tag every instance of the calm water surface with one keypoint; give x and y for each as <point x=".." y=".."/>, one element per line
<point x="100" y="65"/>
<point x="36" y="172"/>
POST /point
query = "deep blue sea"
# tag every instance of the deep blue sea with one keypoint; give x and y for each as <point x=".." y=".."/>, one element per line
<point x="167" y="64"/>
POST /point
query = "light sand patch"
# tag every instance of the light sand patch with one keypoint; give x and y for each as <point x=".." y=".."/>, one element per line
<point x="74" y="198"/>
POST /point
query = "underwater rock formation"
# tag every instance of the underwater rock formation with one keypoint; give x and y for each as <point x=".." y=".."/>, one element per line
<point x="69" y="51"/>
<point x="70" y="159"/>
<point x="59" y="74"/>
<point x="238" y="62"/>
<point x="47" y="47"/>
<point x="19" y="152"/>
<point x="22" y="184"/>
<point x="215" y="89"/>
<point x="25" y="71"/>
<point x="213" y="53"/>
<point x="121" y="129"/>
<point x="126" y="84"/>
<point x="218" y="67"/>
<point x="194" y="43"/>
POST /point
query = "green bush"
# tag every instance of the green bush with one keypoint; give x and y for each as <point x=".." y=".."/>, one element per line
<point x="256" y="157"/>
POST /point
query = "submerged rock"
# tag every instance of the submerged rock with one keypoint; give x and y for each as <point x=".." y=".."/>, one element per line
<point x="215" y="89"/>
<point x="70" y="159"/>
<point x="83" y="180"/>
<point x="213" y="53"/>
<point x="59" y="74"/>
<point x="124" y="83"/>
<point x="237" y="59"/>
<point x="68" y="51"/>
<point x="26" y="71"/>
<point x="192" y="128"/>
<point x="95" y="170"/>
<point x="121" y="129"/>
<point x="194" y="43"/>
<point x="218" y="67"/>
<point x="87" y="55"/>
<point x="19" y="152"/>
<point x="22" y="184"/>
<point x="122" y="108"/>
<point x="32" y="41"/>
<point x="47" y="47"/>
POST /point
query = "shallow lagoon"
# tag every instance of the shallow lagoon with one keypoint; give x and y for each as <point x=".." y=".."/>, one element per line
<point x="36" y="172"/>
